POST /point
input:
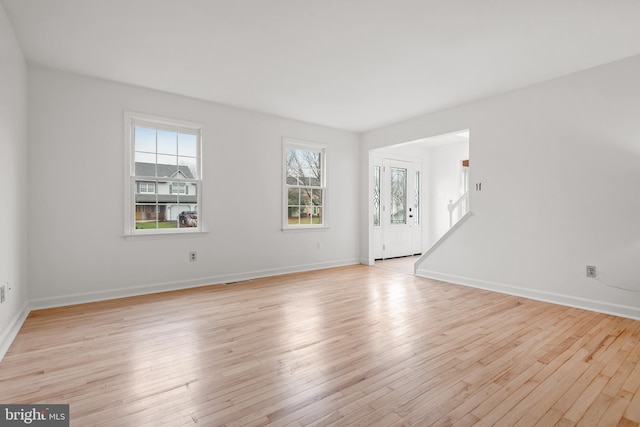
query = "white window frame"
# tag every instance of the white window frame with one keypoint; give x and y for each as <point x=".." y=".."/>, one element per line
<point x="132" y="119"/>
<point x="147" y="185"/>
<point x="312" y="146"/>
<point x="181" y="188"/>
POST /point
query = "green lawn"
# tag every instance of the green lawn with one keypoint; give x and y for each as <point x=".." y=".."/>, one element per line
<point x="303" y="221"/>
<point x="152" y="225"/>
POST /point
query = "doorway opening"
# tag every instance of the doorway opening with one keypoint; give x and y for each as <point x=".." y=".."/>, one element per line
<point x="418" y="191"/>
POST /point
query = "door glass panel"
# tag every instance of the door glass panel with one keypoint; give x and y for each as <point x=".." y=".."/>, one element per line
<point x="416" y="201"/>
<point x="398" y="196"/>
<point x="376" y="196"/>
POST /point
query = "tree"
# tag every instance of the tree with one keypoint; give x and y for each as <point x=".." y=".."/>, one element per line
<point x="304" y="172"/>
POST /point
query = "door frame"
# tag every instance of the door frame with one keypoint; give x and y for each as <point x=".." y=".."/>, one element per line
<point x="416" y="232"/>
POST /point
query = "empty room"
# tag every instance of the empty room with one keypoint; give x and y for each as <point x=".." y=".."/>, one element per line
<point x="314" y="213"/>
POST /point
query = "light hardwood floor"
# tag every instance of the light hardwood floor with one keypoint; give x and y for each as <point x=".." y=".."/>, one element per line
<point x="347" y="346"/>
<point x="401" y="265"/>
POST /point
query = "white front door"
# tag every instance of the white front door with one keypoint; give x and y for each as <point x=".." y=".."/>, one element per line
<point x="399" y="233"/>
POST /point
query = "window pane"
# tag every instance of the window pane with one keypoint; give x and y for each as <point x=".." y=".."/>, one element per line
<point x="305" y="196"/>
<point x="187" y="166"/>
<point x="305" y="215"/>
<point x="316" y="197"/>
<point x="146" y="216"/>
<point x="145" y="139"/>
<point x="167" y="142"/>
<point x="187" y="217"/>
<point x="316" y="215"/>
<point x="293" y="166"/>
<point x="164" y="216"/>
<point x="145" y="192"/>
<point x="167" y="166"/>
<point x="192" y="193"/>
<point x="304" y="167"/>
<point x="148" y="158"/>
<point x="398" y="196"/>
<point x="294" y="197"/>
<point x="294" y="214"/>
<point x="187" y="145"/>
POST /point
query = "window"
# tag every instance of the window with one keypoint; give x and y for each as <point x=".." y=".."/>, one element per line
<point x="163" y="186"/>
<point x="179" y="188"/>
<point x="146" y="187"/>
<point x="376" y="196"/>
<point x="304" y="185"/>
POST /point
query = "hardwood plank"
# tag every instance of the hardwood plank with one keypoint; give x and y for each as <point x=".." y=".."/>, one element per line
<point x="595" y="411"/>
<point x="632" y="411"/>
<point x="586" y="399"/>
<point x="353" y="345"/>
<point x="614" y="413"/>
<point x="624" y="422"/>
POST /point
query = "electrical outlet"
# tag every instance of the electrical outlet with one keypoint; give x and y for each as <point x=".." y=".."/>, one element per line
<point x="591" y="271"/>
<point x="193" y="256"/>
<point x="2" y="293"/>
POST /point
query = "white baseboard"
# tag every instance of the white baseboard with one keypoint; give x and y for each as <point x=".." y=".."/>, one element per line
<point x="12" y="331"/>
<point x="551" y="297"/>
<point x="85" y="297"/>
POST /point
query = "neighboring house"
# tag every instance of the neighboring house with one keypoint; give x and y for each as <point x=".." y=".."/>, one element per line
<point x="165" y="197"/>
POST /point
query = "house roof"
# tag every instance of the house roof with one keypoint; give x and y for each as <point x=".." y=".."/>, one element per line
<point x="162" y="171"/>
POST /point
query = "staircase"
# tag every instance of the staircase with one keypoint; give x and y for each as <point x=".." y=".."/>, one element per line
<point x="458" y="209"/>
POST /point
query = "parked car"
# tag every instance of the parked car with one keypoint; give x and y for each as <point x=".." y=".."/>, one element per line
<point x="188" y="218"/>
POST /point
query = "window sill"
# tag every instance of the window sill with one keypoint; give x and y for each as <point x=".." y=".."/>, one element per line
<point x="164" y="235"/>
<point x="305" y="228"/>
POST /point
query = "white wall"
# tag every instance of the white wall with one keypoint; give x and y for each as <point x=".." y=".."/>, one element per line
<point x="13" y="175"/>
<point x="77" y="251"/>
<point x="444" y="184"/>
<point x="559" y="164"/>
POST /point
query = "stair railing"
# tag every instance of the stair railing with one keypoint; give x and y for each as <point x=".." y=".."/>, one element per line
<point x="460" y="207"/>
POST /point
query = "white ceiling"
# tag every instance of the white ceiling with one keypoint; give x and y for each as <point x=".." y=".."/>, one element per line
<point x="349" y="64"/>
